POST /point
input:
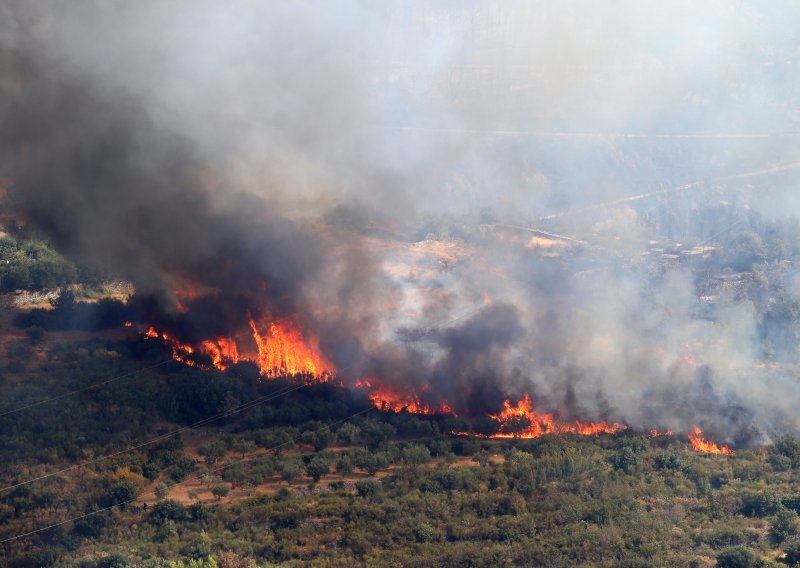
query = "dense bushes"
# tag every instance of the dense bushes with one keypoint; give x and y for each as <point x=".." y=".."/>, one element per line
<point x="371" y="490"/>
<point x="32" y="265"/>
<point x="67" y="313"/>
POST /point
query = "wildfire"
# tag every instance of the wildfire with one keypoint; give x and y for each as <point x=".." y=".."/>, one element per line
<point x="280" y="349"/>
<point x="659" y="434"/>
<point x="185" y="294"/>
<point x="706" y="446"/>
<point x="223" y="352"/>
<point x="522" y="421"/>
<point x="283" y="350"/>
<point x="180" y="351"/>
<point x="388" y="399"/>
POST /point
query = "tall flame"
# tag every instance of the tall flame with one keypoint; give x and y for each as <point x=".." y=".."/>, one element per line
<point x="223" y="352"/>
<point x="280" y="350"/>
<point x="706" y="446"/>
<point x="283" y="350"/>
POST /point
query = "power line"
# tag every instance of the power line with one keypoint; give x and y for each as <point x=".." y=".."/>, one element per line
<point x="588" y="134"/>
<point x="240" y="408"/>
<point x="86" y="388"/>
<point x="698" y="183"/>
<point x="108" y="381"/>
<point x="128" y="501"/>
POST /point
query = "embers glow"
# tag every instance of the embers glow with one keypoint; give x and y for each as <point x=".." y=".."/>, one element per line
<point x="659" y="434"/>
<point x="180" y="351"/>
<point x="706" y="446"/>
<point x="390" y="400"/>
<point x="522" y="421"/>
<point x="185" y="295"/>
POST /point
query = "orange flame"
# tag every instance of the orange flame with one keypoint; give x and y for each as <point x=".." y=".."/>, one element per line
<point x="388" y="399"/>
<point x="522" y="421"/>
<point x="659" y="434"/>
<point x="223" y="352"/>
<point x="283" y="350"/>
<point x="180" y="351"/>
<point x="186" y="294"/>
<point x="700" y="444"/>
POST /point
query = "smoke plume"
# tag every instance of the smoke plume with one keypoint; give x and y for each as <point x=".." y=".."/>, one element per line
<point x="471" y="200"/>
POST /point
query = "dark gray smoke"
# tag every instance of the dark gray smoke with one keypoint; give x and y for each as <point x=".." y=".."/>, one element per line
<point x="589" y="203"/>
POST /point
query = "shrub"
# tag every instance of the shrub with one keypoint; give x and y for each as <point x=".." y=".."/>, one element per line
<point x="792" y="553"/>
<point x="114" y="561"/>
<point x="168" y="510"/>
<point x="183" y="467"/>
<point x="783" y="526"/>
<point x="367" y="487"/>
<point x="761" y="504"/>
<point x="318" y="466"/>
<point x="737" y="557"/>
<point x="220" y="491"/>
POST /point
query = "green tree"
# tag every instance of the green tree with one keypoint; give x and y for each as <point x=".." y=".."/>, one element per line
<point x="162" y="490"/>
<point x="115" y="560"/>
<point x="318" y="466"/>
<point x="792" y="553"/>
<point x="761" y="504"/>
<point x="212" y="451"/>
<point x="121" y="494"/>
<point x="416" y="454"/>
<point x="235" y="473"/>
<point x="243" y="446"/>
<point x="184" y="466"/>
<point x="367" y="487"/>
<point x="220" y="491"/>
<point x="625" y="459"/>
<point x="348" y="433"/>
<point x="789" y="447"/>
<point x="289" y="469"/>
<point x="344" y="465"/>
<point x="737" y="557"/>
<point x="783" y="526"/>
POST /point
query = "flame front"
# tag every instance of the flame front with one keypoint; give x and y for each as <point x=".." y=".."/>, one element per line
<point x="388" y="399"/>
<point x="280" y="350"/>
<point x="522" y="421"/>
<point x="706" y="446"/>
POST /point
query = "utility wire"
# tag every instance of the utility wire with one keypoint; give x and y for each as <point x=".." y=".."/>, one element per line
<point x="86" y="388"/>
<point x="128" y="501"/>
<point x="240" y="408"/>
<point x="106" y="382"/>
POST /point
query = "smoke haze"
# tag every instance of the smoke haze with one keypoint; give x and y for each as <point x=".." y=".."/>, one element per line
<point x="437" y="188"/>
